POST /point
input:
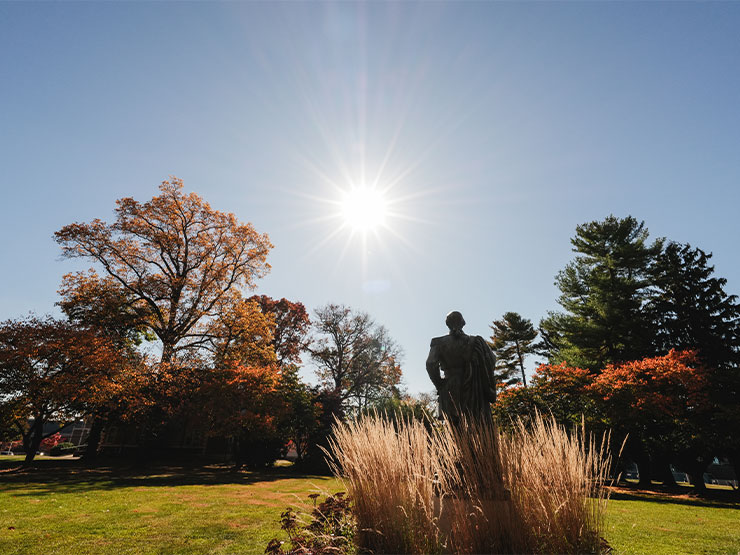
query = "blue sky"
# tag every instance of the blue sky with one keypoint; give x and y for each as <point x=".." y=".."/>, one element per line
<point x="495" y="129"/>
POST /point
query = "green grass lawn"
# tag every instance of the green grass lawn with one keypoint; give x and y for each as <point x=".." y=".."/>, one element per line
<point x="62" y="507"/>
<point x="640" y="523"/>
<point x="168" y="510"/>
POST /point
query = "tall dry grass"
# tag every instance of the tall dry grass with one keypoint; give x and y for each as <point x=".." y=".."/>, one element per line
<point x="441" y="489"/>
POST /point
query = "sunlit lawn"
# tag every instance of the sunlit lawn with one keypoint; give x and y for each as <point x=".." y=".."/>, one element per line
<point x="60" y="507"/>
<point x="208" y="510"/>
<point x="639" y="523"/>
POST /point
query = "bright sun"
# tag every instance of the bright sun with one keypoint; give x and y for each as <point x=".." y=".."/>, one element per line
<point x="364" y="209"/>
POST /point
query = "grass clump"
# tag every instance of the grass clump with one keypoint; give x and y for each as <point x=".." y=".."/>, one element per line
<point x="467" y="489"/>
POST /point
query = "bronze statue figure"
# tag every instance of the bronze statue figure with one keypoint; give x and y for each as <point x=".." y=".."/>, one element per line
<point x="468" y="386"/>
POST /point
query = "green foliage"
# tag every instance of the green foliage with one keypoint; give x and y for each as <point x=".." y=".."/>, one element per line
<point x="330" y="411"/>
<point x="603" y="293"/>
<point x="512" y="341"/>
<point x="626" y="299"/>
<point x="301" y="420"/>
<point x="691" y="309"/>
<point x="401" y="408"/>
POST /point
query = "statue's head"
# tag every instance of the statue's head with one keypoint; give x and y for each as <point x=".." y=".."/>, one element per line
<point x="455" y="321"/>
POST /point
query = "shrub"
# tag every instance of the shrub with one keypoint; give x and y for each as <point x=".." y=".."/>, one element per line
<point x="332" y="529"/>
<point x="537" y="489"/>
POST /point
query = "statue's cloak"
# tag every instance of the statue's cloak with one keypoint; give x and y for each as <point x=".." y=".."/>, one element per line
<point x="469" y="390"/>
<point x="479" y="388"/>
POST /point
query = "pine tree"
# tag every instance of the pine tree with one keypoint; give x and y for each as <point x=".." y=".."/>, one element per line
<point x="603" y="293"/>
<point x="691" y="309"/>
<point x="512" y="341"/>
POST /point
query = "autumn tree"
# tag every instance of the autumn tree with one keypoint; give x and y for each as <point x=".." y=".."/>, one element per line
<point x="251" y="397"/>
<point x="659" y="404"/>
<point x="177" y="262"/>
<point x="290" y="333"/>
<point x="242" y="334"/>
<point x="603" y="293"/>
<point x="556" y="389"/>
<point x="100" y="304"/>
<point x="355" y="357"/>
<point x="51" y="370"/>
<point x="8" y="427"/>
<point x="242" y="404"/>
<point x="91" y="301"/>
<point x="512" y="341"/>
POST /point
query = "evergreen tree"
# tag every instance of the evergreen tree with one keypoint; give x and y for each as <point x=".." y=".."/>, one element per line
<point x="691" y="310"/>
<point x="603" y="292"/>
<point x="512" y="340"/>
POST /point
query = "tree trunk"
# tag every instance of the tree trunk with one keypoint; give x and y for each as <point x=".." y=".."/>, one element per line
<point x="735" y="462"/>
<point x="238" y="455"/>
<point x="521" y="364"/>
<point x="93" y="439"/>
<point x="666" y="475"/>
<point x="697" y="468"/>
<point x="32" y="444"/>
<point x="168" y="352"/>
<point x="643" y="467"/>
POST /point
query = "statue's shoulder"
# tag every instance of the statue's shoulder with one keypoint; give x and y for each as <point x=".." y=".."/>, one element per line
<point x="437" y="341"/>
<point x="481" y="346"/>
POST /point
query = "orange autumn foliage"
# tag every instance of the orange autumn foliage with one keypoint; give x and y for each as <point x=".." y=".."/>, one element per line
<point x="243" y="334"/>
<point x="177" y="262"/>
<point x="673" y="385"/>
<point x="562" y="376"/>
<point x="54" y="366"/>
<point x="661" y="397"/>
<point x="53" y="370"/>
<point x="291" y="327"/>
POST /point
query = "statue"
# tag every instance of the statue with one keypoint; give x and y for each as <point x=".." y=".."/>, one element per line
<point x="465" y="395"/>
<point x="468" y="386"/>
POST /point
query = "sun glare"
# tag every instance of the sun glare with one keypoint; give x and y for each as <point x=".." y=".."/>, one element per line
<point x="364" y="209"/>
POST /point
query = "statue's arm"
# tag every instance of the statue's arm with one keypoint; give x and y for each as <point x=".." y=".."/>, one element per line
<point x="433" y="367"/>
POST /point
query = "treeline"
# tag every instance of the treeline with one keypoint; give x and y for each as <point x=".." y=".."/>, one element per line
<point x="160" y="344"/>
<point x="647" y="345"/>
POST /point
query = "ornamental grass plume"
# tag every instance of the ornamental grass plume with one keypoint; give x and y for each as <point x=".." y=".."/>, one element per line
<point x="467" y="489"/>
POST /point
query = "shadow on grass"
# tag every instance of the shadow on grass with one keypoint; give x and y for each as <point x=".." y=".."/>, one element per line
<point x="68" y="476"/>
<point x="713" y="498"/>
